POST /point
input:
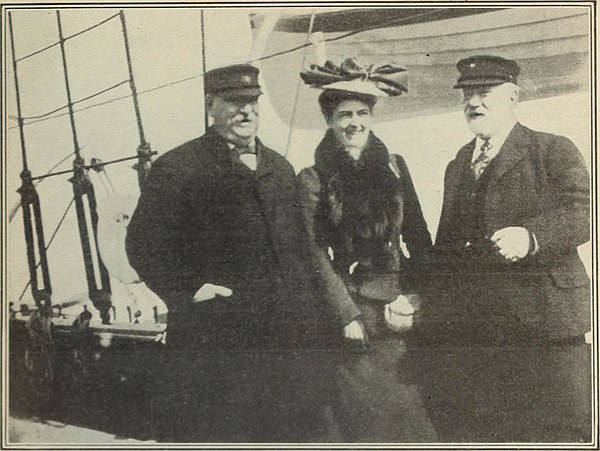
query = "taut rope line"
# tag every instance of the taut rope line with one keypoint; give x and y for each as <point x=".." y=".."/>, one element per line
<point x="98" y="280"/>
<point x="30" y="203"/>
<point x="298" y="84"/>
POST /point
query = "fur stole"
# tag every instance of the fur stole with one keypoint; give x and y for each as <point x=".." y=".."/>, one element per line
<point x="359" y="215"/>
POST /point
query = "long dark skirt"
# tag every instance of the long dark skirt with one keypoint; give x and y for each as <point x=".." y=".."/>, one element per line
<point x="377" y="400"/>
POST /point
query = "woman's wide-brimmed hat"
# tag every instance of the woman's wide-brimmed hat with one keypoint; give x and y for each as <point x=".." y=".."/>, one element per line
<point x="388" y="80"/>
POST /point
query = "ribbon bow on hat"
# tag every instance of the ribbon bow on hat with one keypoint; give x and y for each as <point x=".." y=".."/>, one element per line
<point x="387" y="80"/>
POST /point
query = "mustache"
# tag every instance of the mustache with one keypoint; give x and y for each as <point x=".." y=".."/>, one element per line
<point x="244" y="117"/>
<point x="474" y="112"/>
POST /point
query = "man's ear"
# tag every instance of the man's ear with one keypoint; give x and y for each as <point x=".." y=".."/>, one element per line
<point x="208" y="102"/>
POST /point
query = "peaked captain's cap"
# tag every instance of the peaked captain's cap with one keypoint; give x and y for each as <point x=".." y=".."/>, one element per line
<point x="233" y="81"/>
<point x="486" y="70"/>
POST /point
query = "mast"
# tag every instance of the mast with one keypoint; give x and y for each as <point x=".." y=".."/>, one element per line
<point x="30" y="203"/>
<point x="85" y="204"/>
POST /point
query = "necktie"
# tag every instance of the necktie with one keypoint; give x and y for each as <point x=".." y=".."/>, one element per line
<point x="247" y="155"/>
<point x="482" y="160"/>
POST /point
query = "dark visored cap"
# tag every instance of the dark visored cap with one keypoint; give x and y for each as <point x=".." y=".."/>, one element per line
<point x="486" y="70"/>
<point x="238" y="80"/>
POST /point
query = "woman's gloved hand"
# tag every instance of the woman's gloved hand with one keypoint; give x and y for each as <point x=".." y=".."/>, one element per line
<point x="399" y="314"/>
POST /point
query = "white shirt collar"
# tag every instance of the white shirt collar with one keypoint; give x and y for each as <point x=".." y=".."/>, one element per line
<point x="250" y="160"/>
<point x="497" y="141"/>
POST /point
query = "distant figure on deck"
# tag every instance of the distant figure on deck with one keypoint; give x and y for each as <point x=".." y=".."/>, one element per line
<point x="502" y="335"/>
<point x="218" y="235"/>
<point x="365" y="221"/>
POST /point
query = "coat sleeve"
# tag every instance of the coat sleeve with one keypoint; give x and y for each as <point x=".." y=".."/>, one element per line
<point x="154" y="244"/>
<point x="442" y="238"/>
<point x="414" y="228"/>
<point x="564" y="223"/>
<point x="334" y="287"/>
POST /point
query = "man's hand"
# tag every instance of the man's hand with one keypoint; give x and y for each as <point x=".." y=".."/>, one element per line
<point x="354" y="331"/>
<point x="209" y="291"/>
<point x="512" y="243"/>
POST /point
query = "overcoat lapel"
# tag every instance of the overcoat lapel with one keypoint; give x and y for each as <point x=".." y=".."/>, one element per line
<point x="512" y="151"/>
<point x="225" y="158"/>
<point x="265" y="164"/>
<point x="266" y="180"/>
<point x="457" y="171"/>
<point x="218" y="149"/>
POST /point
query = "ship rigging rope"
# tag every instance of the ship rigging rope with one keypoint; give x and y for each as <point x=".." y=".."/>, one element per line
<point x="89" y="166"/>
<point x="67" y="38"/>
<point x="432" y="15"/>
<point x="62" y="219"/>
<point x="136" y="105"/>
<point x="68" y="87"/>
<point x="14" y="211"/>
<point x="21" y="123"/>
<point x="298" y="83"/>
<point x="91" y="96"/>
<point x="106" y="102"/>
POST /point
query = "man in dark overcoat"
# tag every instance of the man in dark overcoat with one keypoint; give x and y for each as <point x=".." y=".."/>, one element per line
<point x="505" y="325"/>
<point x="217" y="234"/>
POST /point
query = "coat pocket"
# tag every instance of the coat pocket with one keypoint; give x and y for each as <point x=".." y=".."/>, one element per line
<point x="568" y="308"/>
<point x="569" y="279"/>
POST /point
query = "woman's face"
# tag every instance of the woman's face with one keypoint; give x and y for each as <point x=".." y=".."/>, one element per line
<point x="351" y="123"/>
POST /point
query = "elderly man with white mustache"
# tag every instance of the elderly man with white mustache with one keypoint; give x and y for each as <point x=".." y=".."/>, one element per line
<point x="510" y="301"/>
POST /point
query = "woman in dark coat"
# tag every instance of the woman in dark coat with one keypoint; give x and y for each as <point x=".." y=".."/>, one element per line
<point x="361" y="208"/>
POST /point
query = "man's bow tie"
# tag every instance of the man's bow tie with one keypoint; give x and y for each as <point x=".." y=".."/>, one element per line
<point x="242" y="150"/>
<point x="247" y="155"/>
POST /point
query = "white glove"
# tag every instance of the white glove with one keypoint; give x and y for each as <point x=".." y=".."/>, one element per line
<point x="209" y="291"/>
<point x="354" y="331"/>
<point x="399" y="314"/>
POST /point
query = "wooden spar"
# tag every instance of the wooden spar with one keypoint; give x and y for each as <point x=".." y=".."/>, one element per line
<point x="87" y="217"/>
<point x="30" y="203"/>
